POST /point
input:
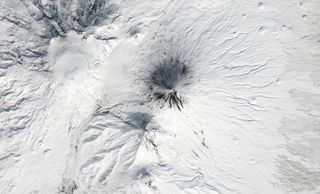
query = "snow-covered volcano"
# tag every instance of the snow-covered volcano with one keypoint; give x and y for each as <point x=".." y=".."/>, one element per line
<point x="159" y="96"/>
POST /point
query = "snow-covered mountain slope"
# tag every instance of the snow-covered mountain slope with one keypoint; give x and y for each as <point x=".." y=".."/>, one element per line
<point x="159" y="96"/>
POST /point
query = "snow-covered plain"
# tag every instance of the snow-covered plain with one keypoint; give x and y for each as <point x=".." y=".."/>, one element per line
<point x="86" y="88"/>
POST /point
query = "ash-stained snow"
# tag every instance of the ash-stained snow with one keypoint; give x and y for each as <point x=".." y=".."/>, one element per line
<point x="159" y="96"/>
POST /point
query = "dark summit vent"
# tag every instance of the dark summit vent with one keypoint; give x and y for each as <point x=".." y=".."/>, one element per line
<point x="167" y="78"/>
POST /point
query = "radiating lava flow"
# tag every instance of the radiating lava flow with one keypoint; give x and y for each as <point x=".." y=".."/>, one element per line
<point x="159" y="96"/>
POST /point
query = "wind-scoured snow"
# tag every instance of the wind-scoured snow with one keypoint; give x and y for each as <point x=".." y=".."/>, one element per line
<point x="159" y="96"/>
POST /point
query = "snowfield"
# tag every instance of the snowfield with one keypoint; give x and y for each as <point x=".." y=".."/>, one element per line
<point x="159" y="96"/>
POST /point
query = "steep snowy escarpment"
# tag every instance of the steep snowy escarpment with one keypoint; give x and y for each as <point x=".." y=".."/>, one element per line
<point x="159" y="96"/>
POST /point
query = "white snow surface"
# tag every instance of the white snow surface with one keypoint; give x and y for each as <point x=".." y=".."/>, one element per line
<point x="76" y="115"/>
